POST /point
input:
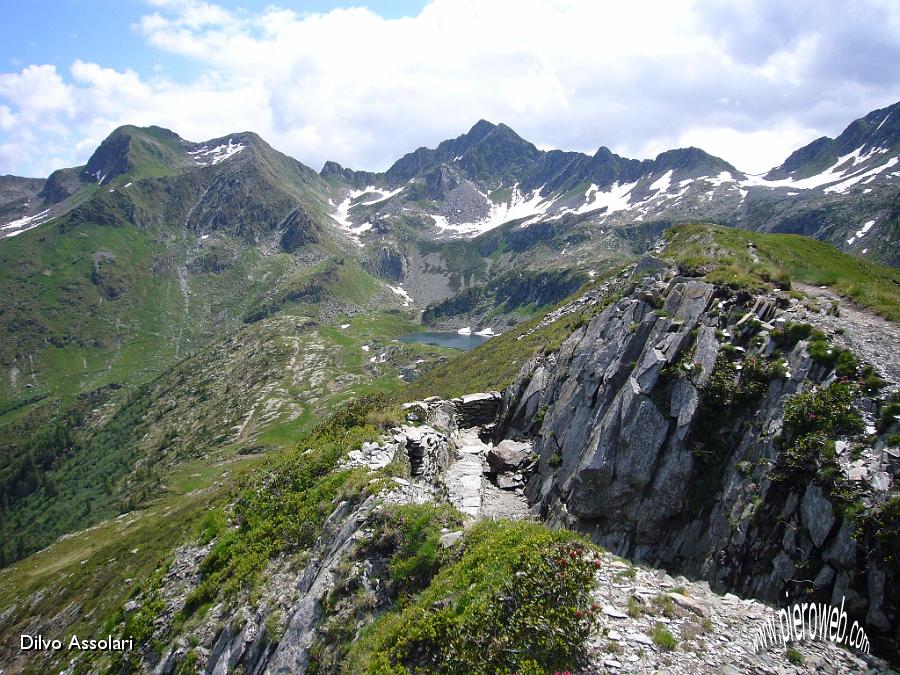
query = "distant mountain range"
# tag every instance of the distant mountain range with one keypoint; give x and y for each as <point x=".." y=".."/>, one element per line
<point x="180" y="241"/>
<point x="490" y="176"/>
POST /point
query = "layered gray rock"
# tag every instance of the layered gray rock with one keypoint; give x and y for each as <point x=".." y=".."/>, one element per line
<point x="615" y="415"/>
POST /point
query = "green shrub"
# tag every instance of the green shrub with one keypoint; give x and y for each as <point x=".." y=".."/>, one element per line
<point x="663" y="639"/>
<point x="517" y="600"/>
<point x="794" y="656"/>
<point x="634" y="608"/>
<point x="889" y="414"/>
<point x="844" y="362"/>
<point x="812" y="419"/>
<point x="664" y="604"/>
<point x="790" y="334"/>
<point x="414" y="530"/>
<point x="726" y="396"/>
<point x="881" y="525"/>
<point x="870" y="382"/>
<point x="212" y="524"/>
<point x="828" y="411"/>
<point x="745" y="468"/>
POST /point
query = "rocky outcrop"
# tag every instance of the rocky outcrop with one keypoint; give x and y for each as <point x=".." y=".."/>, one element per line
<point x="658" y="427"/>
<point x="508" y="456"/>
<point x="390" y="263"/>
<point x="427" y="451"/>
<point x="298" y="230"/>
<point x="465" y="412"/>
<point x="276" y="634"/>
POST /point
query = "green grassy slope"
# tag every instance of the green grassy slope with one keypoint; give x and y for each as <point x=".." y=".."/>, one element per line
<point x="129" y="295"/>
<point x="725" y="255"/>
<point x="182" y="443"/>
<point x="109" y="453"/>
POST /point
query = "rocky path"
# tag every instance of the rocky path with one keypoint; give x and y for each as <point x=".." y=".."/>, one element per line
<point x="652" y="623"/>
<point x="470" y="489"/>
<point x="463" y="478"/>
<point x="497" y="504"/>
<point x="873" y="338"/>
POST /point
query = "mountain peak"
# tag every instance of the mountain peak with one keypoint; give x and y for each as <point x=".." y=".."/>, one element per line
<point x="692" y="159"/>
<point x="133" y="149"/>
<point x="878" y="130"/>
<point x="481" y="128"/>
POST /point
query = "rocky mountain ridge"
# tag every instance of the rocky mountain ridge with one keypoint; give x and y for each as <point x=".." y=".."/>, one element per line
<point x="468" y="213"/>
<point x="669" y="429"/>
<point x="490" y="177"/>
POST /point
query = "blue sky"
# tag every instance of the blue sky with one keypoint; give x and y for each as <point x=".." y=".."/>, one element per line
<point x="60" y="31"/>
<point x="364" y="82"/>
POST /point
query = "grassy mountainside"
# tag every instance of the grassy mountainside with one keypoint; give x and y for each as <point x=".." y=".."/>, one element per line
<point x="112" y="450"/>
<point x="753" y="259"/>
<point x="153" y="264"/>
<point x="153" y="461"/>
<point x="177" y="310"/>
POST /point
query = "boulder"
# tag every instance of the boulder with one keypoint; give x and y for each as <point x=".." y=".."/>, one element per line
<point x="510" y="481"/>
<point x="508" y="456"/>
<point x="451" y="538"/>
<point x="842" y="551"/>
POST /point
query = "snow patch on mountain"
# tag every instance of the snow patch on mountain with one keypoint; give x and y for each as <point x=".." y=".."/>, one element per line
<point x="723" y="177"/>
<point x="617" y="198"/>
<point x="841" y="170"/>
<point x="207" y="156"/>
<point x="382" y="195"/>
<point x="24" y="224"/>
<point x="399" y="290"/>
<point x="662" y="183"/>
<point x="870" y="175"/>
<point x="530" y="206"/>
<point x="341" y="216"/>
<point x="861" y="232"/>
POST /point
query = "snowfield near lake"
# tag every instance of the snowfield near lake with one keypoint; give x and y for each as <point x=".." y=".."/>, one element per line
<point x="407" y="298"/>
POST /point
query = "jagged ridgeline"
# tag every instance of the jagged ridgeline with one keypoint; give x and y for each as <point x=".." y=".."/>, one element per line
<point x="213" y="441"/>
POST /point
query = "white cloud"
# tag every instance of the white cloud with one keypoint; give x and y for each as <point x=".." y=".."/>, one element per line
<point x="36" y="90"/>
<point x="756" y="148"/>
<point x="748" y="84"/>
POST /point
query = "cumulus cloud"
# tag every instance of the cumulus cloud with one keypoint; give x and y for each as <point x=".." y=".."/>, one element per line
<point x="746" y="81"/>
